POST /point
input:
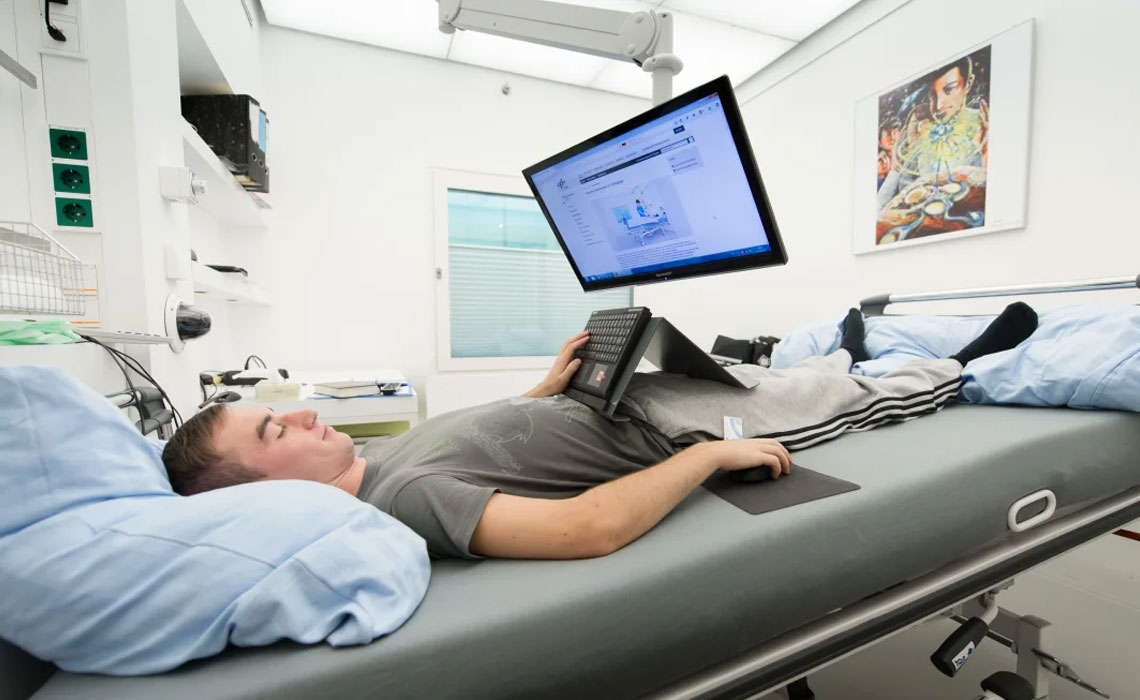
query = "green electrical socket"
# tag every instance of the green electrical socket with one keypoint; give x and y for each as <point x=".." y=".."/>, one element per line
<point x="68" y="143"/>
<point x="73" y="212"/>
<point x="71" y="178"/>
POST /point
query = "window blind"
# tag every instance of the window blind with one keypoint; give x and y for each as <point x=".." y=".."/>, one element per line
<point x="512" y="291"/>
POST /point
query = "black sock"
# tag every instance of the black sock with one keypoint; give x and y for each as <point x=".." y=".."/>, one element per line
<point x="1014" y="325"/>
<point x="853" y="334"/>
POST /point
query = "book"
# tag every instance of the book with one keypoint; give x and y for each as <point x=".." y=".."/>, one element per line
<point x="347" y="390"/>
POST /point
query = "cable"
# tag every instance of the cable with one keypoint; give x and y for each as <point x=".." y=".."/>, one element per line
<point x="255" y="357"/>
<point x="209" y="378"/>
<point x="130" y="385"/>
<point x="52" y="30"/>
<point x="224" y="397"/>
<point x="136" y="366"/>
<point x="131" y="362"/>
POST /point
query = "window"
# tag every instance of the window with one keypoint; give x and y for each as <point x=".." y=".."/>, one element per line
<point x="506" y="295"/>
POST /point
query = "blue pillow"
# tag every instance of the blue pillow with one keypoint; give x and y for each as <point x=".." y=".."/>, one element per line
<point x="104" y="569"/>
<point x="1083" y="356"/>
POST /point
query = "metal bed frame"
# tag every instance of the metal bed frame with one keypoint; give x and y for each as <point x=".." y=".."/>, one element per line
<point x="967" y="586"/>
<point x="875" y="305"/>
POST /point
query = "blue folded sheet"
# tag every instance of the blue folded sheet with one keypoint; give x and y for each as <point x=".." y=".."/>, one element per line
<point x="1085" y="356"/>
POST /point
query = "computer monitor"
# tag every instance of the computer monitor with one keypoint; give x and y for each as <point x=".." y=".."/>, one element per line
<point x="669" y="194"/>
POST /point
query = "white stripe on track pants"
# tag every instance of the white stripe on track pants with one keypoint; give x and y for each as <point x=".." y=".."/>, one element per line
<point x="814" y="401"/>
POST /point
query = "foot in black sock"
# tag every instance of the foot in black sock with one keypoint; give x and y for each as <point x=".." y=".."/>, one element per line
<point x="853" y="334"/>
<point x="1007" y="331"/>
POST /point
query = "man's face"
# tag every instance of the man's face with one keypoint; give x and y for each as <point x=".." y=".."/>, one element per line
<point x="284" y="446"/>
<point x="948" y="94"/>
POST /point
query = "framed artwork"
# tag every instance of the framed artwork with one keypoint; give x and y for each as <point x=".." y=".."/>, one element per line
<point x="944" y="154"/>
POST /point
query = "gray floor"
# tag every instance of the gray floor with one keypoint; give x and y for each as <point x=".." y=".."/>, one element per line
<point x="1099" y="637"/>
<point x="899" y="669"/>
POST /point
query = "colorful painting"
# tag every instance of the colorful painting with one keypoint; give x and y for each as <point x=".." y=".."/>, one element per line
<point x="933" y="137"/>
<point x="949" y="148"/>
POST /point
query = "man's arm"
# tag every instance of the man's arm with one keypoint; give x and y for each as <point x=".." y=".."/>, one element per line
<point x="611" y="515"/>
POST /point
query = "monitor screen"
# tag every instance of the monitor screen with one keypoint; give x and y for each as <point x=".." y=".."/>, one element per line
<point x="671" y="193"/>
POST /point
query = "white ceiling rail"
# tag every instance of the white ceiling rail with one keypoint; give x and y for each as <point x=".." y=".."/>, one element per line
<point x="644" y="38"/>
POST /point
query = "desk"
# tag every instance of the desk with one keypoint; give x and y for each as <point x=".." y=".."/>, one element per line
<point x="400" y="407"/>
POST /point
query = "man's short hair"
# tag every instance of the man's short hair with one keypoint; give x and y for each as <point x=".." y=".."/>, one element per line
<point x="194" y="465"/>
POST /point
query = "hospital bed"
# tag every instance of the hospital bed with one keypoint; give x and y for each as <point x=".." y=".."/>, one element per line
<point x="717" y="603"/>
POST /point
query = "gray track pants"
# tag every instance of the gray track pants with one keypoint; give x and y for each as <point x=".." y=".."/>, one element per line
<point x="814" y="401"/>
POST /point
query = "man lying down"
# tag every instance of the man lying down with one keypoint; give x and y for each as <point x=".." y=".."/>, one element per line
<point x="542" y="476"/>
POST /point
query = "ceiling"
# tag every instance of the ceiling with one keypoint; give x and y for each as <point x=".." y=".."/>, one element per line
<point x="712" y="37"/>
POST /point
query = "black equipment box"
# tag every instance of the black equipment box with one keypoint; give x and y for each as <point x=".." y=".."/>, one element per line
<point x="234" y="127"/>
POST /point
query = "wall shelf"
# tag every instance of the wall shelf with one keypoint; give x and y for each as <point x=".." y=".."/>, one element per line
<point x="228" y="287"/>
<point x="225" y="199"/>
<point x="124" y="337"/>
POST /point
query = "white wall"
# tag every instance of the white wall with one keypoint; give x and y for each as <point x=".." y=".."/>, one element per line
<point x="355" y="133"/>
<point x="124" y="91"/>
<point x="137" y="119"/>
<point x="1083" y="157"/>
<point x="14" y="173"/>
<point x="231" y="41"/>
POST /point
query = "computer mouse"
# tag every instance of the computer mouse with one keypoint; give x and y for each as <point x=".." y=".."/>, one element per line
<point x="753" y="475"/>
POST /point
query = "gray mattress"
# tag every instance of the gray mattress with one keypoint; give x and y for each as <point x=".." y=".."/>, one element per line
<point x="705" y="585"/>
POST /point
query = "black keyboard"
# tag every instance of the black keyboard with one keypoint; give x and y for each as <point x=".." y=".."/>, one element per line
<point x="613" y="335"/>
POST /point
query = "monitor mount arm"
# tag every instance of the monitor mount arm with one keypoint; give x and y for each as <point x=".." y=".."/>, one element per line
<point x="644" y="38"/>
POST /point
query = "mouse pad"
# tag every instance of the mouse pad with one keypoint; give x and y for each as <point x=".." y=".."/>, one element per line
<point x="799" y="486"/>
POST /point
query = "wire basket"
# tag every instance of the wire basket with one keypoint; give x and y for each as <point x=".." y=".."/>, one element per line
<point x="37" y="274"/>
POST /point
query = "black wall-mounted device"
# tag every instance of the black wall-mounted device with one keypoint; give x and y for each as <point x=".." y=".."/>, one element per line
<point x="235" y="128"/>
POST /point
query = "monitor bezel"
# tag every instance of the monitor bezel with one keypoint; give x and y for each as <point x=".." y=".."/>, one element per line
<point x="723" y="88"/>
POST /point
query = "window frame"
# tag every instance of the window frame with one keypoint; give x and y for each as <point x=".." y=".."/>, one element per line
<point x="442" y="181"/>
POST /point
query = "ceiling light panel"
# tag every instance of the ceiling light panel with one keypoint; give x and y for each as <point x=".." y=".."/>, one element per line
<point x="790" y="19"/>
<point x="403" y="25"/>
<point x="710" y="48"/>
<point x="624" y="78"/>
<point x="525" y="58"/>
<point x="619" y="5"/>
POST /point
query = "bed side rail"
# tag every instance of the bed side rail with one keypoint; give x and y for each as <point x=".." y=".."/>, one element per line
<point x="794" y="654"/>
<point x="875" y="305"/>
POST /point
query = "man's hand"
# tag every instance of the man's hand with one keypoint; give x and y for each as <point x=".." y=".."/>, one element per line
<point x="564" y="368"/>
<point x="734" y="455"/>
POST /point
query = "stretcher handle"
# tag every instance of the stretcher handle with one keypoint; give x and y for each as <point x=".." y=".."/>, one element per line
<point x="1050" y="499"/>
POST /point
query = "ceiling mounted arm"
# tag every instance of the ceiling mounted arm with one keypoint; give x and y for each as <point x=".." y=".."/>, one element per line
<point x="644" y="38"/>
<point x="13" y="66"/>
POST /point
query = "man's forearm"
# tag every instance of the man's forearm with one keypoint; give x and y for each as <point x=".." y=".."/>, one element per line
<point x="630" y="506"/>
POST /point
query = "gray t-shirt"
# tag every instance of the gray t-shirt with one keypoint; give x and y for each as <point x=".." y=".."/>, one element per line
<point x="438" y="477"/>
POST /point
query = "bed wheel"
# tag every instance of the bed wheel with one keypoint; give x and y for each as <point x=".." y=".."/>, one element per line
<point x="1004" y="685"/>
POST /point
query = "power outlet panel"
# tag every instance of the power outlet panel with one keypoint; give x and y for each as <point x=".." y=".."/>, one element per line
<point x="68" y="143"/>
<point x="74" y="212"/>
<point x="71" y="177"/>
